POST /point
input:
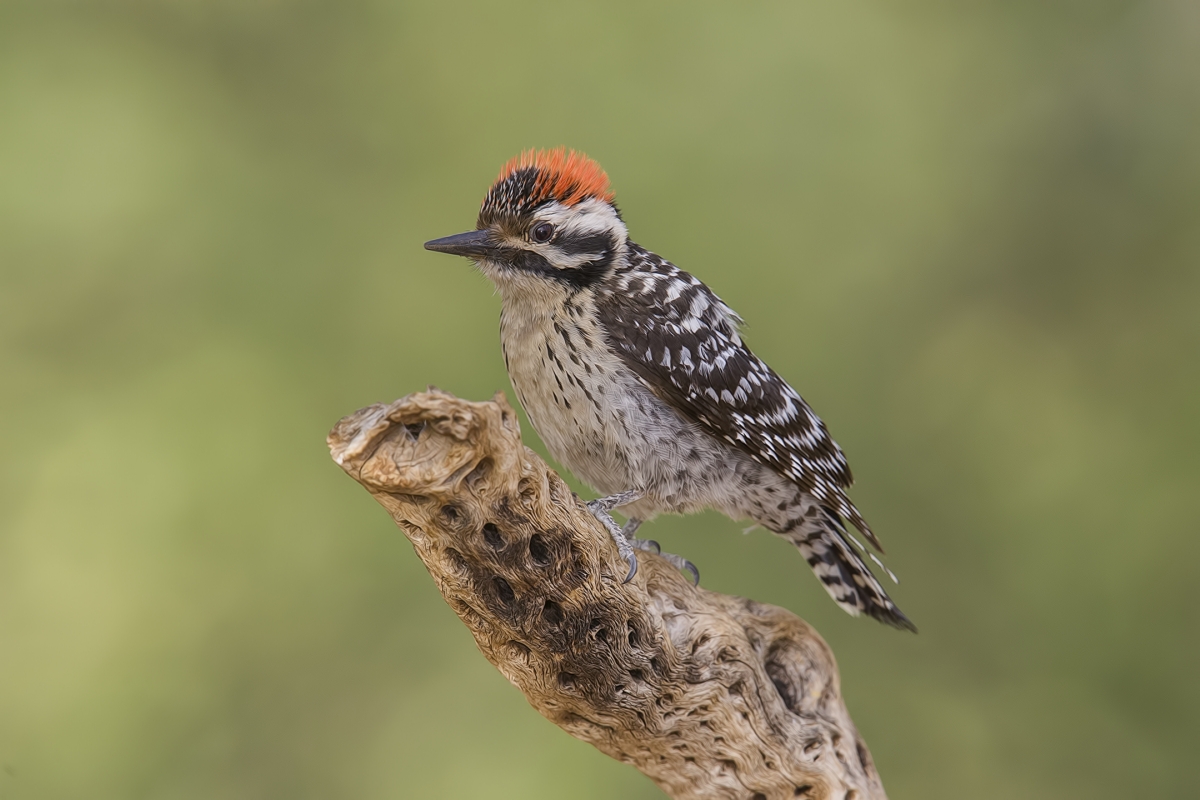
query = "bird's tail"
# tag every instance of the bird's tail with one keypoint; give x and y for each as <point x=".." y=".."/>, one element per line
<point x="825" y="544"/>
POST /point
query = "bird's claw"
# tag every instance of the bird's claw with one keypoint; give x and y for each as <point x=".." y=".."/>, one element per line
<point x="632" y="559"/>
<point x="681" y="563"/>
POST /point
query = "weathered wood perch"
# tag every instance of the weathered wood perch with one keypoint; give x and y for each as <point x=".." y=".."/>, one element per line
<point x="711" y="696"/>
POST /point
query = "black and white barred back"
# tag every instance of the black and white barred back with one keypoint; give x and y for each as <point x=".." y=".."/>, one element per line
<point x="683" y="341"/>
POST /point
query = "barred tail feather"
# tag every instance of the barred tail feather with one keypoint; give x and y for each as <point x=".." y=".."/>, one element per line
<point x="843" y="572"/>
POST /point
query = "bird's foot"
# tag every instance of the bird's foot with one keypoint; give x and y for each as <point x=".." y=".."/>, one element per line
<point x="651" y="546"/>
<point x="625" y="540"/>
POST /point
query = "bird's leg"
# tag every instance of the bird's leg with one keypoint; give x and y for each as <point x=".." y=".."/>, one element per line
<point x="649" y="545"/>
<point x="614" y="501"/>
<point x="600" y="509"/>
<point x="630" y="528"/>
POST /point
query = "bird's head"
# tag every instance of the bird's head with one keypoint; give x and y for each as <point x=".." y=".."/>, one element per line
<point x="549" y="217"/>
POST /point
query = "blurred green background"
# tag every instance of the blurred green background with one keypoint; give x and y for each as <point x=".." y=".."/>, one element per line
<point x="969" y="233"/>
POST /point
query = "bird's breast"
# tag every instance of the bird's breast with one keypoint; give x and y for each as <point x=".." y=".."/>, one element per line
<point x="573" y="388"/>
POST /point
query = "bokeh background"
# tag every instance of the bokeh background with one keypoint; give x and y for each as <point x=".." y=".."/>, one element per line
<point x="968" y="232"/>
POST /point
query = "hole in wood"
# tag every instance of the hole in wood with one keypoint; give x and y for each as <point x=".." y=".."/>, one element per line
<point x="493" y="537"/>
<point x="518" y="651"/>
<point x="455" y="559"/>
<point x="566" y="681"/>
<point x="864" y="758"/>
<point x="538" y="550"/>
<point x="415" y="532"/>
<point x="503" y="591"/>
<point x="480" y="473"/>
<point x="552" y="613"/>
<point x="780" y="665"/>
<point x="784" y="689"/>
<point x="414" y="429"/>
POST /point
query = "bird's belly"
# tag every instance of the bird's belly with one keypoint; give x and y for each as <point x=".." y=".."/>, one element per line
<point x="608" y="429"/>
<point x="574" y="411"/>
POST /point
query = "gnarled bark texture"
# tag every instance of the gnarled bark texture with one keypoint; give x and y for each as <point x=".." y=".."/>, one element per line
<point x="711" y="696"/>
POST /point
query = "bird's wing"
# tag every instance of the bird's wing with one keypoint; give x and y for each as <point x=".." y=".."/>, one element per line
<point x="683" y="342"/>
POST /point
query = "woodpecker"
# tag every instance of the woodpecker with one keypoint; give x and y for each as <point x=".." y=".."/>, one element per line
<point x="635" y="376"/>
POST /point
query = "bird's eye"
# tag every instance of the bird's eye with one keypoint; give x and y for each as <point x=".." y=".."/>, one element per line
<point x="542" y="232"/>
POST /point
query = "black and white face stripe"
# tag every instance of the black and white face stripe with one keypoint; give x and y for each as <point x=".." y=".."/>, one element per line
<point x="577" y="277"/>
<point x="586" y="241"/>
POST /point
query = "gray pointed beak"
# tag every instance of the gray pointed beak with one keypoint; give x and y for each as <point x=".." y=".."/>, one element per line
<point x="473" y="244"/>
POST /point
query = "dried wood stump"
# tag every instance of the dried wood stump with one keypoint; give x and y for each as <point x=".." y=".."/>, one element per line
<point x="711" y="696"/>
